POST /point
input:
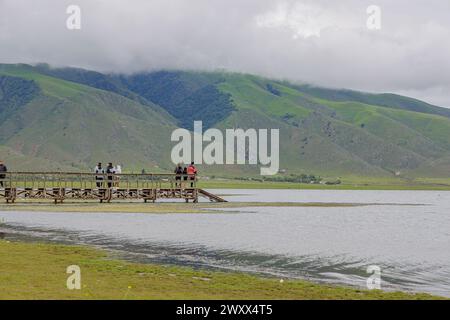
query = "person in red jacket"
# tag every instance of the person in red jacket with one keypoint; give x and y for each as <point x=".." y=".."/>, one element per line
<point x="192" y="172"/>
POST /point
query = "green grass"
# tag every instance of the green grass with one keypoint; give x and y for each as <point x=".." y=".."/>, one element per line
<point x="69" y="125"/>
<point x="345" y="137"/>
<point x="350" y="183"/>
<point x="249" y="93"/>
<point x="399" y="125"/>
<point x="51" y="86"/>
<point x="38" y="271"/>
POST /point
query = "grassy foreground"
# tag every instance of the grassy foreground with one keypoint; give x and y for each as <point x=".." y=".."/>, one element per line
<point x="38" y="271"/>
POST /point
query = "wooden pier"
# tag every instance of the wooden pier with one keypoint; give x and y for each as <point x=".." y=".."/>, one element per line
<point x="61" y="186"/>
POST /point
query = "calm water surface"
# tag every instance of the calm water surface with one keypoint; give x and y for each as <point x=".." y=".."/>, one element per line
<point x="406" y="233"/>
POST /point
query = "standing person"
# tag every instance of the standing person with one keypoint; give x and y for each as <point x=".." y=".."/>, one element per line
<point x="192" y="172"/>
<point x="99" y="179"/>
<point x="185" y="177"/>
<point x="3" y="169"/>
<point x="178" y="171"/>
<point x="110" y="171"/>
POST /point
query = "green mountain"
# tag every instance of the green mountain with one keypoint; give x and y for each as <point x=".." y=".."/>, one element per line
<point x="51" y="124"/>
<point x="73" y="117"/>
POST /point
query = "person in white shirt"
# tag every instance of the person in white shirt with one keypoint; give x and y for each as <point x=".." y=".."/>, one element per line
<point x="99" y="179"/>
<point x="118" y="170"/>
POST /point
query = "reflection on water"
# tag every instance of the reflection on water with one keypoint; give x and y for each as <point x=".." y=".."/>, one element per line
<point x="409" y="243"/>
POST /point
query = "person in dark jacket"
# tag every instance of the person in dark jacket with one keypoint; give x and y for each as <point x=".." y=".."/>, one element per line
<point x="110" y="171"/>
<point x="185" y="177"/>
<point x="178" y="171"/>
<point x="3" y="169"/>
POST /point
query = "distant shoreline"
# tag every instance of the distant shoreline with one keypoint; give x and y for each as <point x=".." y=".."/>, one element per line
<point x="350" y="184"/>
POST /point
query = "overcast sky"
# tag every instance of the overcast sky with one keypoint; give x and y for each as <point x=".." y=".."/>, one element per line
<point x="323" y="42"/>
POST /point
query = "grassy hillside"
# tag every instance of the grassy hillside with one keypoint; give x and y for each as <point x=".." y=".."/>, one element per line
<point x="74" y="117"/>
<point x="346" y="137"/>
<point x="65" y="124"/>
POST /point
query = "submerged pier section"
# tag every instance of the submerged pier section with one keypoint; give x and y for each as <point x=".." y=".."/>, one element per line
<point x="61" y="186"/>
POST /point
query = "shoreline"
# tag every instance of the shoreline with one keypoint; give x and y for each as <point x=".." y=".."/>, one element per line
<point x="443" y="185"/>
<point x="172" y="207"/>
<point x="36" y="270"/>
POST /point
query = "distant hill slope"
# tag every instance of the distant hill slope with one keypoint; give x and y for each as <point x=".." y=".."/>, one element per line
<point x="323" y="131"/>
<point x="67" y="125"/>
<point x="384" y="100"/>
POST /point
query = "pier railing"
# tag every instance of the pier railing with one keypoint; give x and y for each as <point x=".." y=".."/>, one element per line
<point x="60" y="186"/>
<point x="95" y="181"/>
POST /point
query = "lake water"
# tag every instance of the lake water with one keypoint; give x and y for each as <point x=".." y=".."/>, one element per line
<point x="405" y="233"/>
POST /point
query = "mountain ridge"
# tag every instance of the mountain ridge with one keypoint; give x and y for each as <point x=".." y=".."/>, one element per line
<point x="324" y="131"/>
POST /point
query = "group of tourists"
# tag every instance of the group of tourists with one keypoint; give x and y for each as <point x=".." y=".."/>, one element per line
<point x="185" y="173"/>
<point x="109" y="171"/>
<point x="3" y="170"/>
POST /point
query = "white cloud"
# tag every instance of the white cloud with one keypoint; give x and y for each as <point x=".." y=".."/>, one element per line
<point x="325" y="42"/>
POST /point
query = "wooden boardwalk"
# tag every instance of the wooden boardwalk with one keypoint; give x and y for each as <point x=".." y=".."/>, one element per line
<point x="62" y="186"/>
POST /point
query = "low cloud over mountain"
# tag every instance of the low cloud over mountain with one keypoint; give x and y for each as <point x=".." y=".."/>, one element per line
<point x="322" y="42"/>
